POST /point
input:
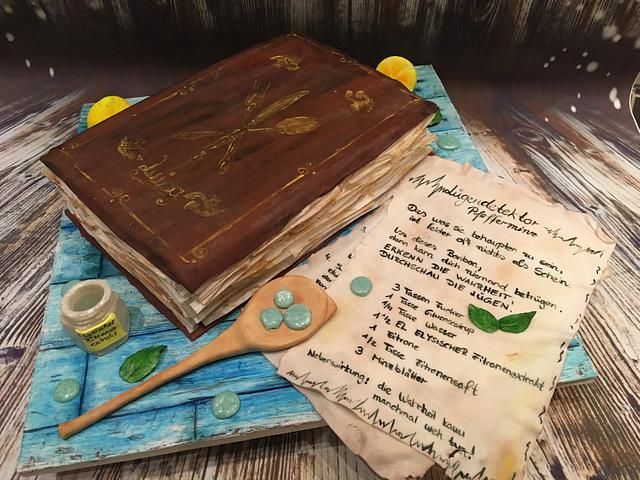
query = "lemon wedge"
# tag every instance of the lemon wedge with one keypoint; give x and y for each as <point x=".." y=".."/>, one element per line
<point x="105" y="108"/>
<point x="401" y="69"/>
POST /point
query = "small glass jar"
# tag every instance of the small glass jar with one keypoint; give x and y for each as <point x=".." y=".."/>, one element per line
<point x="94" y="316"/>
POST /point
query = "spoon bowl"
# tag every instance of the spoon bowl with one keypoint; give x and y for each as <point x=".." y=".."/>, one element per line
<point x="305" y="291"/>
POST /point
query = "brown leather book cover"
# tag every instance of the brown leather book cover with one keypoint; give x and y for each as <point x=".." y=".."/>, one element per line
<point x="199" y="175"/>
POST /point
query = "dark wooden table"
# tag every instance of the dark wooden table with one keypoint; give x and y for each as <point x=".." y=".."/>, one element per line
<point x="588" y="160"/>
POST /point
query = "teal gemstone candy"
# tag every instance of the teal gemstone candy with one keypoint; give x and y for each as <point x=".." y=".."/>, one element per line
<point x="67" y="286"/>
<point x="225" y="405"/>
<point x="66" y="390"/>
<point x="361" y="286"/>
<point x="283" y="298"/>
<point x="297" y="317"/>
<point x="271" y="318"/>
<point x="448" y="142"/>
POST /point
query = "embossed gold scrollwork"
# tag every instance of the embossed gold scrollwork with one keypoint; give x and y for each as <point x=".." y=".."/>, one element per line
<point x="307" y="169"/>
<point x="131" y="149"/>
<point x="187" y="89"/>
<point x="119" y="195"/>
<point x="360" y="101"/>
<point x="286" y="62"/>
<point x="199" y="252"/>
<point x="342" y="58"/>
<point x="65" y="151"/>
<point x="202" y="205"/>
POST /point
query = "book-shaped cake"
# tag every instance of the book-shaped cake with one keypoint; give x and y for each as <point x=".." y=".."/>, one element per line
<point x="208" y="189"/>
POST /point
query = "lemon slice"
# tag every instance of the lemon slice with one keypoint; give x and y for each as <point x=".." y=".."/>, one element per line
<point x="400" y="69"/>
<point x="105" y="108"/>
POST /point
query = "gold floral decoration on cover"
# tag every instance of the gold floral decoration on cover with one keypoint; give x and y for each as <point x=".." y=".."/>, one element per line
<point x="253" y="100"/>
<point x="360" y="101"/>
<point x="286" y="62"/>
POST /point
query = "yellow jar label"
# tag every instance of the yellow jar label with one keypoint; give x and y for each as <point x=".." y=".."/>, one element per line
<point x="102" y="335"/>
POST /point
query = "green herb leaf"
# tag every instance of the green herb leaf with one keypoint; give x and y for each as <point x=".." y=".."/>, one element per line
<point x="140" y="364"/>
<point x="437" y="118"/>
<point x="516" y="323"/>
<point x="483" y="319"/>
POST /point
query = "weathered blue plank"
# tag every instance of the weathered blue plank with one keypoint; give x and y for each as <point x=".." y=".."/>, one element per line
<point x="51" y="367"/>
<point x="467" y="152"/>
<point x="107" y="269"/>
<point x="577" y="366"/>
<point x="76" y="259"/>
<point x="247" y="373"/>
<point x="429" y="85"/>
<point x="261" y="411"/>
<point x="112" y="438"/>
<point x="65" y="222"/>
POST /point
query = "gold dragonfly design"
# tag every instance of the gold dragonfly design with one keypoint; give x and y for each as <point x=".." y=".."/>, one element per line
<point x="252" y="124"/>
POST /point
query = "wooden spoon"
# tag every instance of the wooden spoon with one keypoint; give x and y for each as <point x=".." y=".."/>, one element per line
<point x="245" y="335"/>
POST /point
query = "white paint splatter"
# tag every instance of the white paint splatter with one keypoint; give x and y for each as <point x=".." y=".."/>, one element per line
<point x="546" y="119"/>
<point x="574" y="109"/>
<point x="578" y="67"/>
<point x="592" y="66"/>
<point x="8" y="9"/>
<point x="599" y="15"/>
<point x="609" y="31"/>
<point x="546" y="65"/>
<point x="9" y="36"/>
<point x="552" y="58"/>
<point x="40" y="13"/>
<point x="564" y="49"/>
<point x="637" y="43"/>
<point x="609" y="73"/>
<point x="613" y="96"/>
<point x="616" y="38"/>
<point x="579" y="95"/>
<point x="585" y="54"/>
<point x="52" y="73"/>
<point x="27" y="63"/>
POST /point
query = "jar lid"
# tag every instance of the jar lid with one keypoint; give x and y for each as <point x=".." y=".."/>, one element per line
<point x="85" y="301"/>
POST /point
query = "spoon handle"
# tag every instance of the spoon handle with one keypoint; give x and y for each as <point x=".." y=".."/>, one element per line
<point x="227" y="344"/>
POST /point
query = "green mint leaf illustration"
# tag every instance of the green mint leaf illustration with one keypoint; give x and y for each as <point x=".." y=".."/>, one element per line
<point x="437" y="118"/>
<point x="483" y="319"/>
<point x="516" y="323"/>
<point x="141" y="363"/>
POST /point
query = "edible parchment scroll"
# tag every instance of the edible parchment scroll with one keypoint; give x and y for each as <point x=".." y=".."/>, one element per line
<point x="478" y="287"/>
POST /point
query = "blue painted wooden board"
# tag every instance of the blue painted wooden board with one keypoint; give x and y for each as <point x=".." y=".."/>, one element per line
<point x="177" y="416"/>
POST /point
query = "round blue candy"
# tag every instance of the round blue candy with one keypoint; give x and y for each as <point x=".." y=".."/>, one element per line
<point x="66" y="390"/>
<point x="361" y="286"/>
<point x="225" y="405"/>
<point x="297" y="317"/>
<point x="284" y="298"/>
<point x="448" y="142"/>
<point x="271" y="318"/>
